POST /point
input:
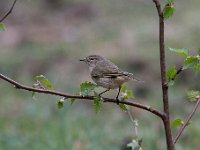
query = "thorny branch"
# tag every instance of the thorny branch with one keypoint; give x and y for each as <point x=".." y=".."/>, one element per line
<point x="9" y="12"/>
<point x="52" y="92"/>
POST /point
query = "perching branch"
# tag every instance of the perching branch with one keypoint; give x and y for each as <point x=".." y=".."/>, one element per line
<point x="166" y="121"/>
<point x="187" y="121"/>
<point x="9" y="12"/>
<point x="52" y="92"/>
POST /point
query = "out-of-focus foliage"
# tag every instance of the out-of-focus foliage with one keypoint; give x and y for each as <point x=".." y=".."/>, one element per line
<point x="2" y="27"/>
<point x="193" y="95"/>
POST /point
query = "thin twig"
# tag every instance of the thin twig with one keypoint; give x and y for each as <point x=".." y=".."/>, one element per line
<point x="135" y="123"/>
<point x="9" y="12"/>
<point x="52" y="92"/>
<point x="178" y="72"/>
<point x="187" y="121"/>
<point x="157" y="3"/>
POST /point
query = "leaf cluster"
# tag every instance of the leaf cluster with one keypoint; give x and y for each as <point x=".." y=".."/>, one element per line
<point x="193" y="95"/>
<point x="190" y="62"/>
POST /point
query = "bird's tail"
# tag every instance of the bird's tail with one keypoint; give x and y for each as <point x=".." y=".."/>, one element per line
<point x="132" y="77"/>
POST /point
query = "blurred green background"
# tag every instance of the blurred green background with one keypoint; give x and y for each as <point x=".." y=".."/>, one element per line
<point x="49" y="36"/>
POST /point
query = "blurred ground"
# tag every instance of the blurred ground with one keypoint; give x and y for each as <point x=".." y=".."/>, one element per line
<point x="48" y="37"/>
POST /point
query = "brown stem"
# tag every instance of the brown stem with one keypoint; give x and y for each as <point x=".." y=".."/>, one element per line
<point x="52" y="92"/>
<point x="178" y="72"/>
<point x="187" y="121"/>
<point x="166" y="121"/>
<point x="9" y="12"/>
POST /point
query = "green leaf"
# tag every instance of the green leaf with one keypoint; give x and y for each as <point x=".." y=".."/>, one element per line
<point x="190" y="62"/>
<point x="124" y="107"/>
<point x="39" y="77"/>
<point x="2" y="27"/>
<point x="44" y="80"/>
<point x="181" y="51"/>
<point x="126" y="94"/>
<point x="193" y="95"/>
<point x="123" y="88"/>
<point x="60" y="103"/>
<point x="177" y="123"/>
<point x="171" y="73"/>
<point x="47" y="84"/>
<point x="87" y="87"/>
<point x="72" y="100"/>
<point x="168" y="10"/>
<point x="97" y="102"/>
<point x="130" y="94"/>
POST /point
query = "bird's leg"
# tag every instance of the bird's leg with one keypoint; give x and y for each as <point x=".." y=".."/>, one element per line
<point x="117" y="98"/>
<point x="104" y="92"/>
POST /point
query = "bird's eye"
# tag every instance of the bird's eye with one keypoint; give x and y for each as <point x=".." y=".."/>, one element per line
<point x="92" y="59"/>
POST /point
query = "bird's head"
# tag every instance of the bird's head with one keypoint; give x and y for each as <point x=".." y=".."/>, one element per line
<point x="92" y="60"/>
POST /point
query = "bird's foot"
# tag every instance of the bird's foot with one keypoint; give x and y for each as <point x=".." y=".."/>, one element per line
<point x="117" y="99"/>
<point x="101" y="98"/>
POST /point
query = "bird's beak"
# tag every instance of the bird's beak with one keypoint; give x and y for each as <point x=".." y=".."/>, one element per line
<point x="82" y="59"/>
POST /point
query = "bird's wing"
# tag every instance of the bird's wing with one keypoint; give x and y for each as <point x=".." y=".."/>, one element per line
<point x="106" y="69"/>
<point x="112" y="75"/>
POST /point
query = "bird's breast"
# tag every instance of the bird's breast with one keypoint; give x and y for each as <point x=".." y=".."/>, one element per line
<point x="109" y="83"/>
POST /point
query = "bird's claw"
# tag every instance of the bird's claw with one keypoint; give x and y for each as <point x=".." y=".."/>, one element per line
<point x="117" y="101"/>
<point x="101" y="98"/>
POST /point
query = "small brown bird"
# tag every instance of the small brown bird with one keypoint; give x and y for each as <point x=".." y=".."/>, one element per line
<point x="106" y="74"/>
